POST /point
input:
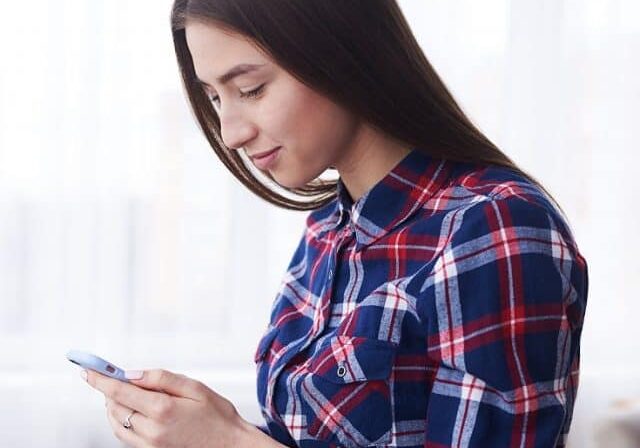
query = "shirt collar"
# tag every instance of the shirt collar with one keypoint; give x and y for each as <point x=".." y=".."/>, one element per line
<point x="393" y="200"/>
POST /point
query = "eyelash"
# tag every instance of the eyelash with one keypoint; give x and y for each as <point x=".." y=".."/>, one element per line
<point x="251" y="94"/>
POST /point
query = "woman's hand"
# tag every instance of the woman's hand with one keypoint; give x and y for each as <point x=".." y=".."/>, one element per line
<point x="172" y="410"/>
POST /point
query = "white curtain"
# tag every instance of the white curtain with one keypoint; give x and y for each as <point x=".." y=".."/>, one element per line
<point x="121" y="233"/>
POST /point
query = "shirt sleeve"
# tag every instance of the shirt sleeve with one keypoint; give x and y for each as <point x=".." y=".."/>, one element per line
<point x="505" y="302"/>
<point x="264" y="428"/>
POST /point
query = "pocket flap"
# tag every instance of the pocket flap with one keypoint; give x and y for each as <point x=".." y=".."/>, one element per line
<point x="345" y="359"/>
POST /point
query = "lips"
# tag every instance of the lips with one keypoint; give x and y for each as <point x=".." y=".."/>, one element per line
<point x="262" y="155"/>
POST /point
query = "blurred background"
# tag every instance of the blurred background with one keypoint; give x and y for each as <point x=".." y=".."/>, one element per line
<point x="123" y="235"/>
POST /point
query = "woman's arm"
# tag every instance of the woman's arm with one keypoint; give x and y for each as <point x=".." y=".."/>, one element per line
<point x="249" y="436"/>
<point x="504" y="305"/>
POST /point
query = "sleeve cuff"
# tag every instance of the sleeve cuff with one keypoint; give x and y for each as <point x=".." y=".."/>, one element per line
<point x="263" y="427"/>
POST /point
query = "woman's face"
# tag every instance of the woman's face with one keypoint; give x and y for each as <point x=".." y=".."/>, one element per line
<point x="266" y="108"/>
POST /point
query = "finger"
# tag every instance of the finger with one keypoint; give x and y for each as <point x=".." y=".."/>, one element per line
<point x="172" y="383"/>
<point x="143" y="426"/>
<point x="147" y="402"/>
<point x="128" y="436"/>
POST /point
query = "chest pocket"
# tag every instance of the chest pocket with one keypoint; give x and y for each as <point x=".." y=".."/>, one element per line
<point x="346" y="395"/>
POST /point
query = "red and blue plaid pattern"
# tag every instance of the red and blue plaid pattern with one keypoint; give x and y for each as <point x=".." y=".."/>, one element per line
<point x="442" y="309"/>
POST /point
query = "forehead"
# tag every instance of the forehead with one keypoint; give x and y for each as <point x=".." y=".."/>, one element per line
<point x="215" y="50"/>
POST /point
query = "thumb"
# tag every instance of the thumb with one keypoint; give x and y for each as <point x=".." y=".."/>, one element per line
<point x="166" y="381"/>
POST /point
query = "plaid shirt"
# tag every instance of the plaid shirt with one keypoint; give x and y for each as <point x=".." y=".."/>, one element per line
<point x="443" y="308"/>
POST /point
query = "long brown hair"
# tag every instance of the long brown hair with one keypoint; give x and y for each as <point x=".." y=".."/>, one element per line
<point x="362" y="55"/>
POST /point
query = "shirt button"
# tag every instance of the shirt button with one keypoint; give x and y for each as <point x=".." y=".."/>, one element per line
<point x="342" y="371"/>
<point x="330" y="273"/>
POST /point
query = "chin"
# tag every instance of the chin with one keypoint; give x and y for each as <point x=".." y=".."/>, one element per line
<point x="291" y="182"/>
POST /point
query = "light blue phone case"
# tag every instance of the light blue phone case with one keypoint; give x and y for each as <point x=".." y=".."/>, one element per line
<point x="93" y="362"/>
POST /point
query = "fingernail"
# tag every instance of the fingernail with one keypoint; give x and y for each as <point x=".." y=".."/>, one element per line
<point x="133" y="374"/>
<point x="83" y="374"/>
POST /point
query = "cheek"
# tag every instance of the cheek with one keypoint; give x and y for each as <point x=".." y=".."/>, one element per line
<point x="314" y="131"/>
<point x="312" y="126"/>
<point x="290" y="113"/>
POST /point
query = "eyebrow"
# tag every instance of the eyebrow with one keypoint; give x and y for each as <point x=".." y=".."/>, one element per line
<point x="238" y="70"/>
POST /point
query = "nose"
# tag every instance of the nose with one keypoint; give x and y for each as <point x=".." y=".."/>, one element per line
<point x="236" y="130"/>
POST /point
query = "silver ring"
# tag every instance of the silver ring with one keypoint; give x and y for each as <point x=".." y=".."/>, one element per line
<point x="127" y="421"/>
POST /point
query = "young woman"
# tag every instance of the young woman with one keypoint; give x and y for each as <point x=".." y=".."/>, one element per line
<point x="436" y="297"/>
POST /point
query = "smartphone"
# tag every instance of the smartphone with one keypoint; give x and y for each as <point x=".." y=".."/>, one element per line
<point x="93" y="362"/>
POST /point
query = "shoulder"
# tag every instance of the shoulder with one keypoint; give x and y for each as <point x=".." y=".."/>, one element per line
<point x="499" y="199"/>
<point x="499" y="224"/>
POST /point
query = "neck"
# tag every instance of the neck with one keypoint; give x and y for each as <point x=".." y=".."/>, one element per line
<point x="369" y="159"/>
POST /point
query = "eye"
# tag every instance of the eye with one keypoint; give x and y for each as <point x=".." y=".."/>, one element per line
<point x="213" y="99"/>
<point x="253" y="93"/>
<point x="250" y="94"/>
